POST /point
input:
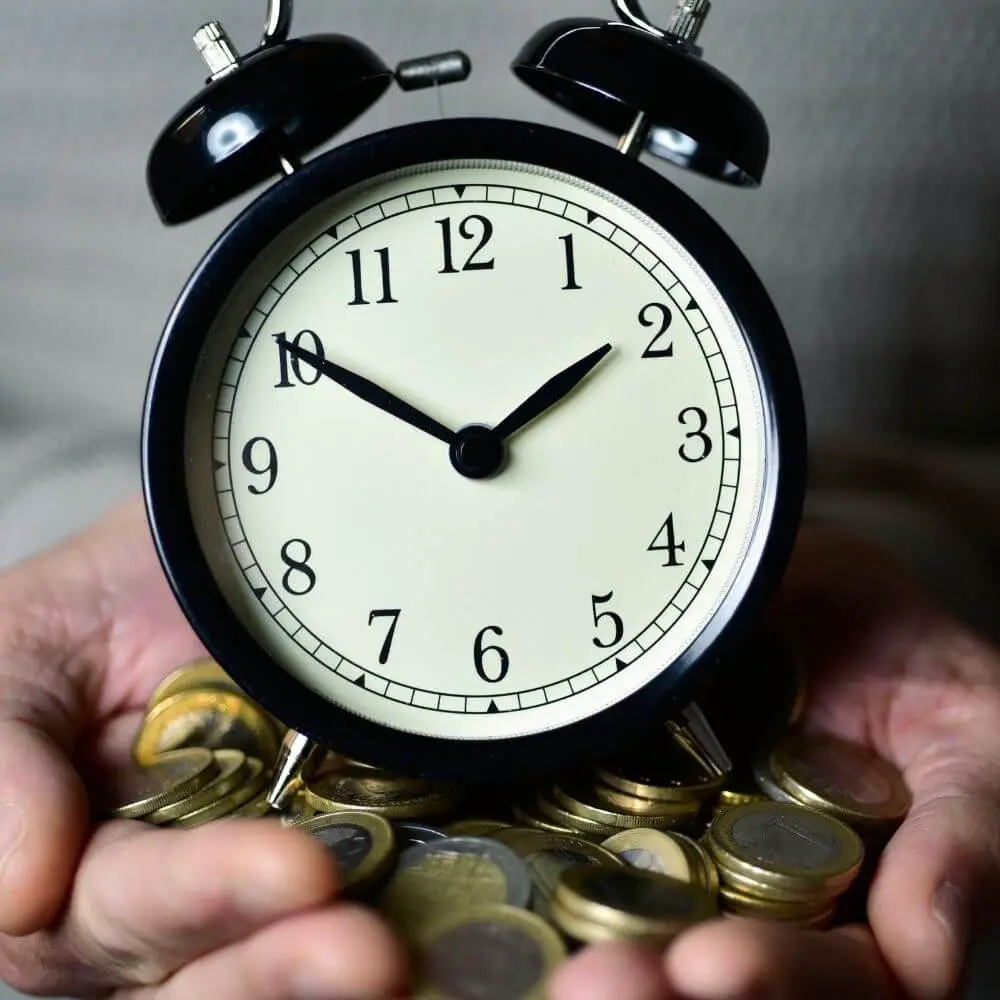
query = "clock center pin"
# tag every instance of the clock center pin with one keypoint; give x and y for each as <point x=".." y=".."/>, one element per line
<point x="477" y="453"/>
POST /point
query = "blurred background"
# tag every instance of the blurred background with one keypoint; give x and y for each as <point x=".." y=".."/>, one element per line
<point x="877" y="232"/>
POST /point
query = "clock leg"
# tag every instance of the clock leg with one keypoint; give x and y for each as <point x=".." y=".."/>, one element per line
<point x="693" y="731"/>
<point x="295" y="757"/>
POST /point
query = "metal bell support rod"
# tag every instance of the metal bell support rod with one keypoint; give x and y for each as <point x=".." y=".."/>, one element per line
<point x="222" y="57"/>
<point x="682" y="30"/>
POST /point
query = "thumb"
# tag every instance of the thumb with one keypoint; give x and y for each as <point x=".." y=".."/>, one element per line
<point x="43" y="820"/>
<point x="938" y="883"/>
<point x="43" y="805"/>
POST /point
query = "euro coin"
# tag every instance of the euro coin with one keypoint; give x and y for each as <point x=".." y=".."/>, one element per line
<point x="635" y="904"/>
<point x="666" y="853"/>
<point x="134" y="792"/>
<point x="347" y="792"/>
<point x="487" y="953"/>
<point x="408" y="834"/>
<point x="196" y="676"/>
<point x="667" y="814"/>
<point x="768" y="785"/>
<point x="363" y="845"/>
<point x="584" y="804"/>
<point x="257" y="778"/>
<point x="446" y="875"/>
<point x="474" y="827"/>
<point x="842" y="779"/>
<point x="746" y="905"/>
<point x="548" y="855"/>
<point x="529" y="813"/>
<point x="787" y="846"/>
<point x="234" y="770"/>
<point x="661" y="770"/>
<point x="212" y="719"/>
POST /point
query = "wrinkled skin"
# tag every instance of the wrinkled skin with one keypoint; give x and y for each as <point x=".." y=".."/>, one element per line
<point x="248" y="911"/>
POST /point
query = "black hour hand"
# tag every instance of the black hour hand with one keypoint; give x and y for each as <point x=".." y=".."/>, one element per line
<point x="554" y="391"/>
<point x="371" y="393"/>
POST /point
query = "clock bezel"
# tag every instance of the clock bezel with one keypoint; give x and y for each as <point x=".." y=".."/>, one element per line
<point x="164" y="460"/>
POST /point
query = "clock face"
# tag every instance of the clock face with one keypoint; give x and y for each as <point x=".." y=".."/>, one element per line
<point x="622" y="524"/>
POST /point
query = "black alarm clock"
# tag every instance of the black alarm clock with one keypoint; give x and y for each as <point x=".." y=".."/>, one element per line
<point x="471" y="444"/>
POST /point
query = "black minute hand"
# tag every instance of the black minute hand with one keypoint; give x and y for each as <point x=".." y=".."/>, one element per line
<point x="373" y="394"/>
<point x="554" y="391"/>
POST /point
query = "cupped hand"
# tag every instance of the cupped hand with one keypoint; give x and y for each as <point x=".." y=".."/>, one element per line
<point x="237" y="910"/>
<point x="891" y="669"/>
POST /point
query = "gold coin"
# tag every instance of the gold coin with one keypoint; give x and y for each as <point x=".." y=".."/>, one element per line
<point x="258" y="808"/>
<point x="588" y="932"/>
<point x="843" y="779"/>
<point x="476" y="827"/>
<point x="133" y="792"/>
<point x="564" y="821"/>
<point x="529" y="814"/>
<point x="194" y="676"/>
<point x="747" y="905"/>
<point x="630" y="901"/>
<point x="234" y="770"/>
<point x="343" y="792"/>
<point x="363" y="844"/>
<point x="786" y="846"/>
<point x="257" y="779"/>
<point x="212" y="719"/>
<point x="663" y="770"/>
<point x="548" y="855"/>
<point x="777" y="893"/>
<point x="490" y="952"/>
<point x="666" y="853"/>
<point x="671" y="813"/>
<point x="729" y="798"/>
<point x="583" y="803"/>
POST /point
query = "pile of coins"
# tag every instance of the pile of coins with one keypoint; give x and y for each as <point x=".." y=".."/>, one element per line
<point x="638" y="848"/>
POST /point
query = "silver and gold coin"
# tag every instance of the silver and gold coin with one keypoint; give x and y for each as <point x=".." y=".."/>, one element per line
<point x="547" y="855"/>
<point x="214" y="719"/>
<point x="666" y="853"/>
<point x="234" y="771"/>
<point x="364" y="846"/>
<point x="452" y="874"/>
<point x="351" y="790"/>
<point x="491" y="952"/>
<point x="134" y="791"/>
<point x="204" y="674"/>
<point x="842" y="779"/>
<point x="786" y="846"/>
<point x="255" y="783"/>
<point x="596" y="903"/>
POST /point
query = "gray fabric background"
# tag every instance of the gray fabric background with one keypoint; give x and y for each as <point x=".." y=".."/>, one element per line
<point x="877" y="230"/>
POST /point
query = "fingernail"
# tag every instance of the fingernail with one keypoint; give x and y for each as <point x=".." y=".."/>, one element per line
<point x="11" y="833"/>
<point x="952" y="909"/>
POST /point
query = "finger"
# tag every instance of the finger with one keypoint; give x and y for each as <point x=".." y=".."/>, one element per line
<point x="611" y="972"/>
<point x="735" y="959"/>
<point x="938" y="882"/>
<point x="147" y="902"/>
<point x="344" y="952"/>
<point x="43" y="819"/>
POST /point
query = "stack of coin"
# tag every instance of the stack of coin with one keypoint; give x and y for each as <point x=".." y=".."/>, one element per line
<point x="596" y="903"/>
<point x="188" y="787"/>
<point x="783" y="862"/>
<point x="514" y="880"/>
<point x="199" y="705"/>
<point x="838" y="778"/>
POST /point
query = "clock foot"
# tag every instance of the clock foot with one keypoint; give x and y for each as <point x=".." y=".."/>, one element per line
<point x="297" y="753"/>
<point x="693" y="731"/>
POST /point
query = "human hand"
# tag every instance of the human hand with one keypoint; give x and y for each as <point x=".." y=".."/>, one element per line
<point x="238" y="910"/>
<point x="892" y="670"/>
